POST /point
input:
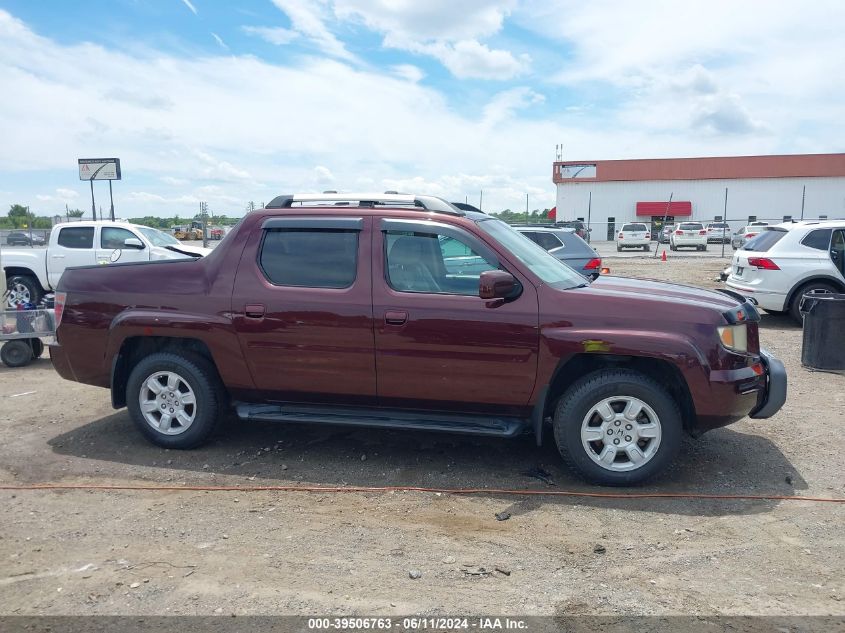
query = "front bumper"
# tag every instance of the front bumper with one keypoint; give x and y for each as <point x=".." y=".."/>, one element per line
<point x="773" y="397"/>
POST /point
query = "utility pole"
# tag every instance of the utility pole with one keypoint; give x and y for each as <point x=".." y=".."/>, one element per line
<point x="589" y="211"/>
<point x="665" y="215"/>
<point x="526" y="209"/>
<point x="725" y="220"/>
<point x="480" y="199"/>
<point x="204" y="217"/>
<point x="803" y="194"/>
<point x="29" y="222"/>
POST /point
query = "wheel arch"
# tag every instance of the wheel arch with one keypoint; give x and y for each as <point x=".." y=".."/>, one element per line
<point x="14" y="271"/>
<point x="134" y="348"/>
<point x="836" y="283"/>
<point x="578" y="365"/>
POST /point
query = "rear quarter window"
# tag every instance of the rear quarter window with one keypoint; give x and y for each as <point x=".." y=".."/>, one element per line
<point x="764" y="241"/>
<point x="818" y="239"/>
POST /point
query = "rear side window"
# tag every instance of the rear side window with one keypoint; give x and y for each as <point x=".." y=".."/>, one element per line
<point x="77" y="237"/>
<point x="310" y="258"/>
<point x="818" y="239"/>
<point x="764" y="241"/>
<point x="546" y="240"/>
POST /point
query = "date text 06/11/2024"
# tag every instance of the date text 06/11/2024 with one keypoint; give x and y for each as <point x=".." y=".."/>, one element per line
<point x="417" y="623"/>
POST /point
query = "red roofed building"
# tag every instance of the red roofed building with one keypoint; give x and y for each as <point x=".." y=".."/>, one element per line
<point x="769" y="188"/>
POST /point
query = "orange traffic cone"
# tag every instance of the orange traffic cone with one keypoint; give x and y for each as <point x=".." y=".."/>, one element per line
<point x="663" y="258"/>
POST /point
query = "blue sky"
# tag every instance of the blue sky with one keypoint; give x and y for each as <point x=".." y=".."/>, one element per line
<point x="229" y="102"/>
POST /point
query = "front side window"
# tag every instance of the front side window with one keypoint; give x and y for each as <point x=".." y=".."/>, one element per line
<point x="77" y="237"/>
<point x="112" y="237"/>
<point x="433" y="263"/>
<point x="310" y="258"/>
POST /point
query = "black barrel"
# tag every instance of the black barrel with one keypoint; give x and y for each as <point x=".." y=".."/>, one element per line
<point x="824" y="330"/>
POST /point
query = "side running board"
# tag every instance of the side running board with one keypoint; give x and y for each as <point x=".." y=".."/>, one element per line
<point x="470" y="424"/>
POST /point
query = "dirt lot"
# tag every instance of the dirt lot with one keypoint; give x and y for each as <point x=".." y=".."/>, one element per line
<point x="83" y="552"/>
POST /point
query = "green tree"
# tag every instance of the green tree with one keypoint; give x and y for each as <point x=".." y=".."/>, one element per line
<point x="18" y="215"/>
<point x="75" y="213"/>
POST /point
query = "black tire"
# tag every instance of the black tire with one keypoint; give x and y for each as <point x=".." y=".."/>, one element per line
<point x="31" y="285"/>
<point x="37" y="346"/>
<point x="16" y="353"/>
<point x="200" y="376"/>
<point x="795" y="302"/>
<point x="587" y="392"/>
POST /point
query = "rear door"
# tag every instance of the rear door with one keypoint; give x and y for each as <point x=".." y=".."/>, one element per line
<point x="438" y="344"/>
<point x="302" y="308"/>
<point x="74" y="246"/>
<point x="837" y="252"/>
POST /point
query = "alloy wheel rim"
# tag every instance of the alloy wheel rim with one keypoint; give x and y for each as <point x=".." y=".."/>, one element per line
<point x="168" y="403"/>
<point x="621" y="433"/>
<point x="18" y="293"/>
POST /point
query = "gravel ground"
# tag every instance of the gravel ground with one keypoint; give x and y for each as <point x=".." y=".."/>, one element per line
<point x="143" y="553"/>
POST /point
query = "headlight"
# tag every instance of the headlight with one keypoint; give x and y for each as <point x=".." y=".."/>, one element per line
<point x="734" y="337"/>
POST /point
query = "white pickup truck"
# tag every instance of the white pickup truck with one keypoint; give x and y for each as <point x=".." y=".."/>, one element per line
<point x="31" y="272"/>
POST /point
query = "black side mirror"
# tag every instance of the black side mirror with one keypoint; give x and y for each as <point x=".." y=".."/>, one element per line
<point x="495" y="284"/>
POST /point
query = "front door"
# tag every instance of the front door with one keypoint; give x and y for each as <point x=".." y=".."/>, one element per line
<point x="74" y="246"/>
<point x="112" y="246"/>
<point x="837" y="252"/>
<point x="438" y="344"/>
<point x="302" y="308"/>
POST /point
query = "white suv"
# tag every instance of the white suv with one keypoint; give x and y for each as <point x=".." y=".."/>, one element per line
<point x="633" y="235"/>
<point x="783" y="262"/>
<point x="689" y="234"/>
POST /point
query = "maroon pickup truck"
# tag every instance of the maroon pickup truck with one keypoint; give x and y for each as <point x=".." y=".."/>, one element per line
<point x="405" y="312"/>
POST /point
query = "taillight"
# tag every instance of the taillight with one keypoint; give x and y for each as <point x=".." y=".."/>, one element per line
<point x="621" y="236"/>
<point x="763" y="263"/>
<point x="702" y="232"/>
<point x="648" y="236"/>
<point x="61" y="298"/>
<point x="679" y="232"/>
<point x="750" y="235"/>
<point x="593" y="264"/>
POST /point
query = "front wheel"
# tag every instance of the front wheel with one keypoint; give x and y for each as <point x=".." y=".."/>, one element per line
<point x="23" y="289"/>
<point x="617" y="427"/>
<point x="795" y="304"/>
<point x="174" y="399"/>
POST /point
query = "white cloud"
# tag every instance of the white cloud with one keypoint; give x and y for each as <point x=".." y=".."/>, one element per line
<point x="308" y="18"/>
<point x="323" y="176"/>
<point x="190" y="5"/>
<point x="503" y="105"/>
<point x="275" y="35"/>
<point x="61" y="195"/>
<point x="408" y="72"/>
<point x="436" y="29"/>
<point x="219" y="40"/>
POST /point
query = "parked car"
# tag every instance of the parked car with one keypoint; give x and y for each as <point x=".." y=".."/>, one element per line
<point x="689" y="234"/>
<point x="22" y="238"/>
<point x="739" y="238"/>
<point x="580" y="228"/>
<point x="665" y="234"/>
<point x="633" y="235"/>
<point x="31" y="273"/>
<point x="718" y="233"/>
<point x="565" y="245"/>
<point x="347" y="315"/>
<point x="776" y="268"/>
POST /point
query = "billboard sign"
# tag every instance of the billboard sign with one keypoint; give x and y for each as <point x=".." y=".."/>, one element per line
<point x="99" y="169"/>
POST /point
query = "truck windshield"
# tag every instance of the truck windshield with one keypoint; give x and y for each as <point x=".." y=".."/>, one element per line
<point x="157" y="238"/>
<point x="547" y="267"/>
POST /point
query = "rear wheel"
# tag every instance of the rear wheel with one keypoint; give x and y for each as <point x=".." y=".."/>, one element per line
<point x="618" y="248"/>
<point x="23" y="289"/>
<point x="16" y="353"/>
<point x="174" y="399"/>
<point x="617" y="427"/>
<point x="646" y="248"/>
<point x="795" y="303"/>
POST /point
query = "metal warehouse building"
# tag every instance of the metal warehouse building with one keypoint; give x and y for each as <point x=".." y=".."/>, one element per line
<point x="608" y="193"/>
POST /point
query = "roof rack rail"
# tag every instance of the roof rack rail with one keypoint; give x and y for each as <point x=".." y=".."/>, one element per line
<point x="332" y="198"/>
